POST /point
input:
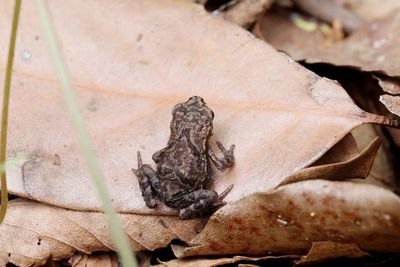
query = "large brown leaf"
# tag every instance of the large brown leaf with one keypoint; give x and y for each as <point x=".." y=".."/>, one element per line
<point x="295" y="216"/>
<point x="374" y="47"/>
<point x="132" y="70"/>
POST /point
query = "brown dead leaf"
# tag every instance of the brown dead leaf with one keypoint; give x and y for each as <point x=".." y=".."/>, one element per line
<point x="344" y="150"/>
<point x="392" y="103"/>
<point x="384" y="168"/>
<point x="268" y="109"/>
<point x="246" y="12"/>
<point x="312" y="211"/>
<point x="200" y="262"/>
<point x="371" y="9"/>
<point x="330" y="10"/>
<point x="374" y="47"/>
<point x="32" y="232"/>
<point x="389" y="84"/>
<point x="95" y="260"/>
<point x="322" y="251"/>
<point x="357" y="167"/>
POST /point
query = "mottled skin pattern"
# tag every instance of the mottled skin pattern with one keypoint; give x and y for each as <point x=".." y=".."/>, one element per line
<point x="183" y="167"/>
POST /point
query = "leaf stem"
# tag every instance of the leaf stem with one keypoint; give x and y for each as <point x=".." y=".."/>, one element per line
<point x="6" y="103"/>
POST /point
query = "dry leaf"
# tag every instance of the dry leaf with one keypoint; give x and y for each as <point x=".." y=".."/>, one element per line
<point x="384" y="168"/>
<point x="200" y="262"/>
<point x="374" y="47"/>
<point x="129" y="73"/>
<point x="322" y="251"/>
<point x="344" y="150"/>
<point x="32" y="232"/>
<point x="371" y="9"/>
<point x="392" y="103"/>
<point x="246" y="12"/>
<point x="268" y="109"/>
<point x="314" y="210"/>
<point x="329" y="10"/>
<point x="95" y="260"/>
<point x="357" y="167"/>
<point x="390" y="85"/>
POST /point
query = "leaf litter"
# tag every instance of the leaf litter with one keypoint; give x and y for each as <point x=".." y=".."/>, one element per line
<point x="289" y="117"/>
<point x="373" y="47"/>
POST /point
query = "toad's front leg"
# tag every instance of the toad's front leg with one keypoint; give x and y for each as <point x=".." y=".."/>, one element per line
<point x="148" y="181"/>
<point x="225" y="162"/>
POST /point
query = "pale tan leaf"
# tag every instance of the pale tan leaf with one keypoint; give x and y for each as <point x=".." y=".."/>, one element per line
<point x="374" y="47"/>
<point x="392" y="103"/>
<point x="389" y="84"/>
<point x="32" y="232"/>
<point x="264" y="103"/>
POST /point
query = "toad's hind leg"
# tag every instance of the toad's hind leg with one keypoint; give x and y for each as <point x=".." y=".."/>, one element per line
<point x="148" y="181"/>
<point x="201" y="202"/>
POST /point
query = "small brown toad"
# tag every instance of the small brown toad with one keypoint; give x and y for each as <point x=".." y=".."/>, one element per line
<point x="183" y="166"/>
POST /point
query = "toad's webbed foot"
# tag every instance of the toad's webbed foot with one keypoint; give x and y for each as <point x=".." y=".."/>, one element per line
<point x="202" y="202"/>
<point x="148" y="181"/>
<point x="225" y="162"/>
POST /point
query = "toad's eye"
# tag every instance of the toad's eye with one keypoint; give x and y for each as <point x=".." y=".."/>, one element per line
<point x="212" y="114"/>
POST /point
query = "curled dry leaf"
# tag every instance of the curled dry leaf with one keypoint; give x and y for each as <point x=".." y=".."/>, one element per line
<point x="32" y="232"/>
<point x="344" y="150"/>
<point x="374" y="47"/>
<point x="269" y="108"/>
<point x="384" y="168"/>
<point x="392" y="103"/>
<point x="358" y="167"/>
<point x="314" y="210"/>
<point x="246" y="12"/>
<point x="390" y="85"/>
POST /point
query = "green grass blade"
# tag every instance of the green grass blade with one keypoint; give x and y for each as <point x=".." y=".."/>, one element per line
<point x="6" y="101"/>
<point x="120" y="240"/>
